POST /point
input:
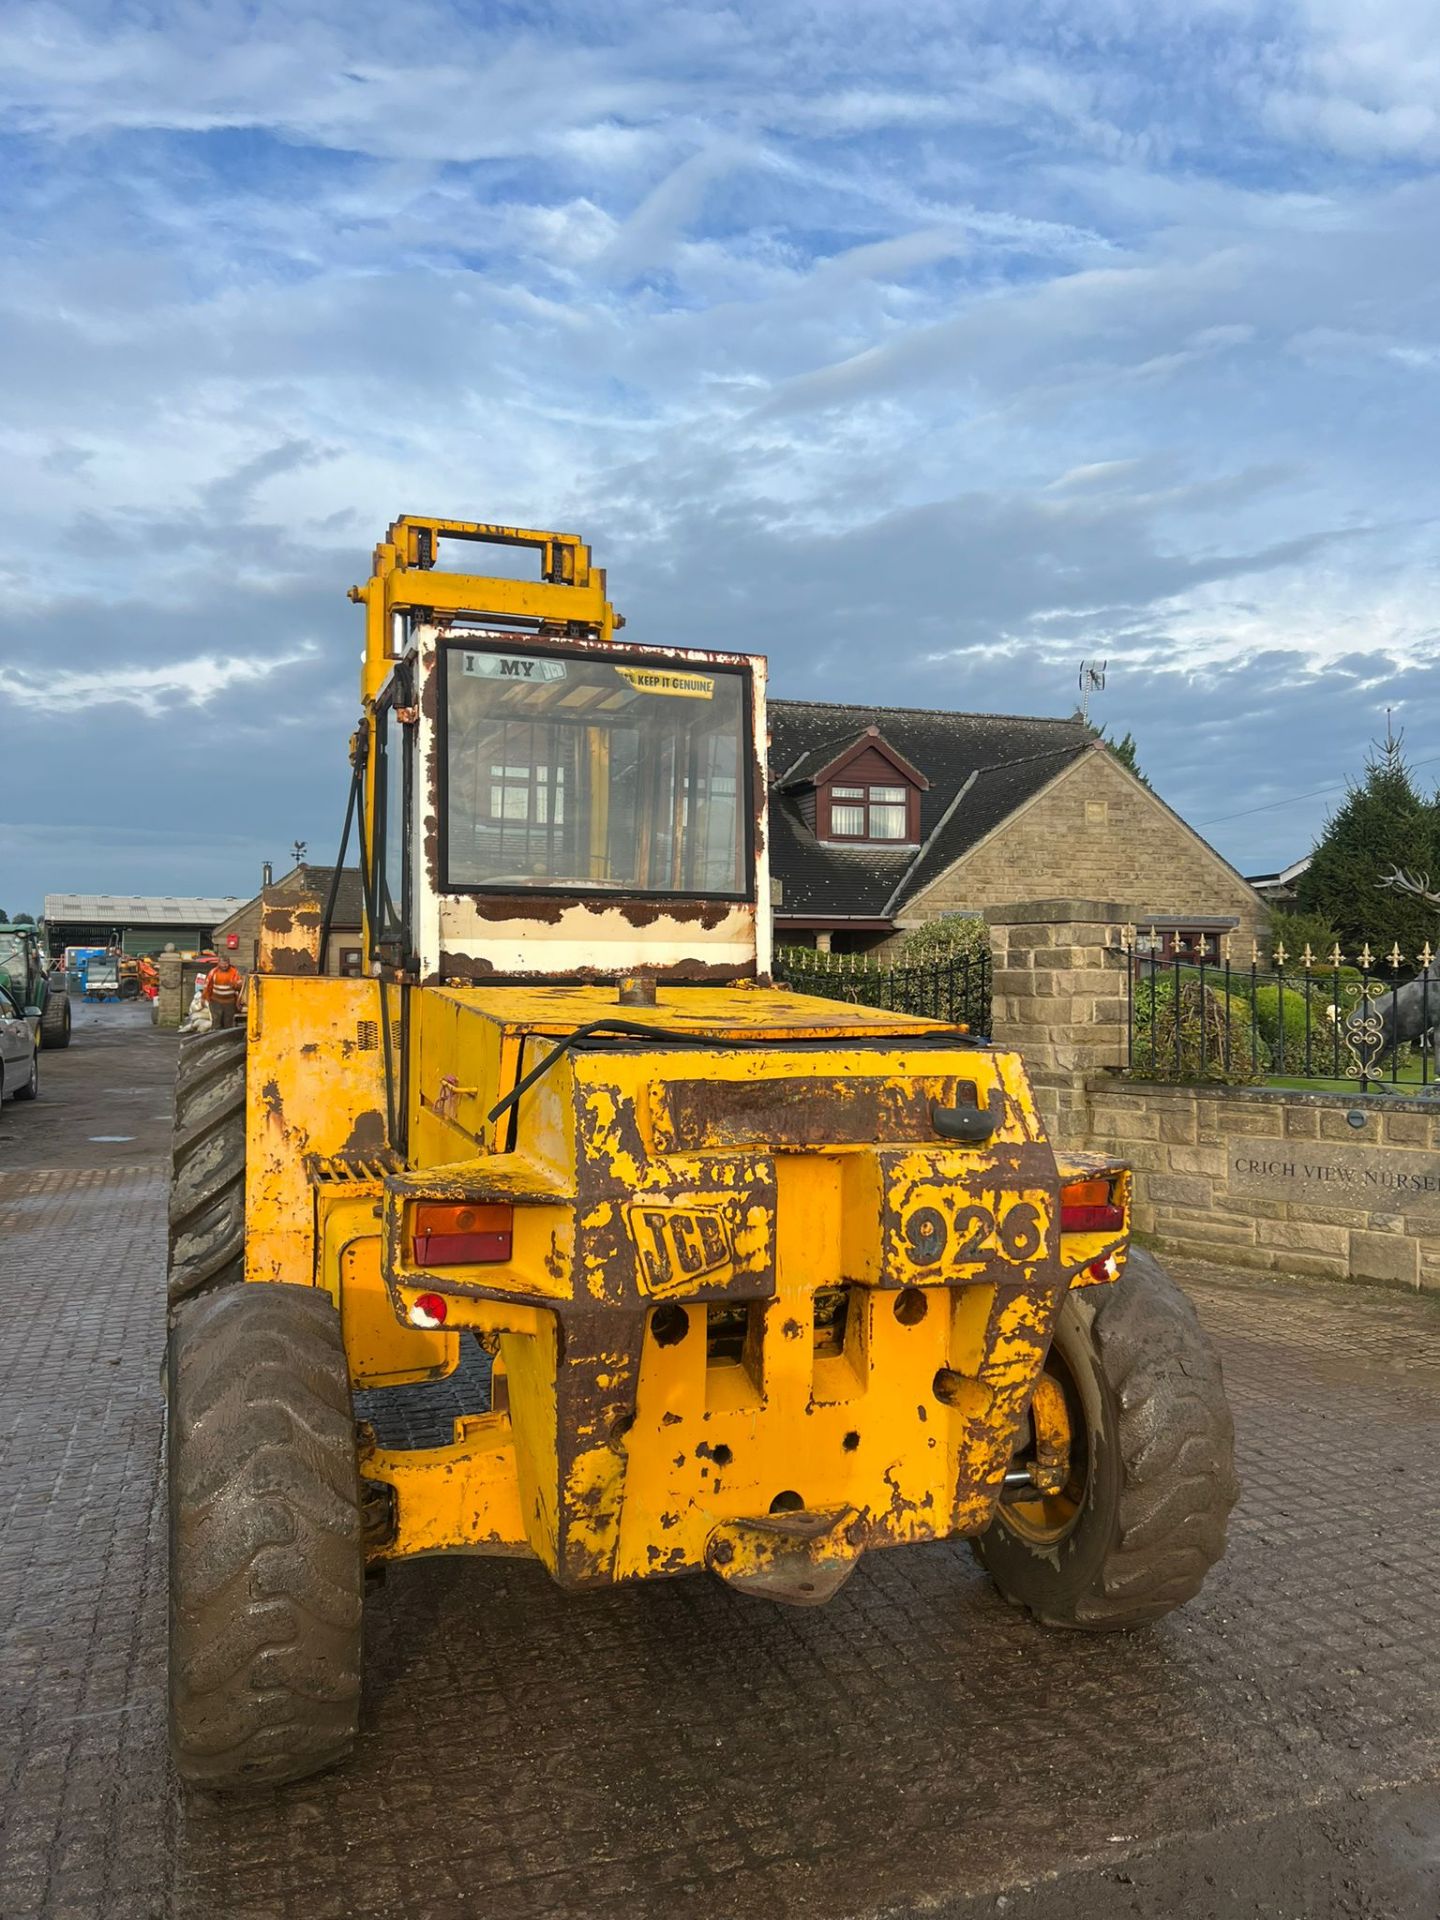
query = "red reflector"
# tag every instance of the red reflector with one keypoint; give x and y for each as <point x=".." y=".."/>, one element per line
<point x="432" y="1306"/>
<point x="461" y="1233"/>
<point x="1091" y="1219"/>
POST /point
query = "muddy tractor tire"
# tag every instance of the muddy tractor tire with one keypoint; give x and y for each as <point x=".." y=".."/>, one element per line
<point x="1142" y="1518"/>
<point x="207" y="1179"/>
<point x="267" y="1569"/>
<point x="55" y="1021"/>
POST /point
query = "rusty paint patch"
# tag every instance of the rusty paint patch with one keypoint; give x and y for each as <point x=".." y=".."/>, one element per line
<point x="794" y="1111"/>
<point x="367" y="1134"/>
<point x="458" y="968"/>
<point x="290" y="963"/>
<point x="522" y="906"/>
<point x="707" y="914"/>
<point x="461" y="969"/>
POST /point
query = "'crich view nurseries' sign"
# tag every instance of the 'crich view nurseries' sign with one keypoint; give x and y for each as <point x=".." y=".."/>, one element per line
<point x="1332" y="1173"/>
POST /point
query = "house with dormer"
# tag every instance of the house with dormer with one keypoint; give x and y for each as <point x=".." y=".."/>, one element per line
<point x="885" y="817"/>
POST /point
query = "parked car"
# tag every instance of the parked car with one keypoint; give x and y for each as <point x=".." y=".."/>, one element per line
<point x="19" y="1048"/>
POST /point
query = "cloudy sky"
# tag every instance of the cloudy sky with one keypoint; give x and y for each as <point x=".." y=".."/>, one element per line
<point x="929" y="348"/>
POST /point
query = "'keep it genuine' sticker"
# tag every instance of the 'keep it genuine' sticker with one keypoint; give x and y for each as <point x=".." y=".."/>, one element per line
<point x="687" y="686"/>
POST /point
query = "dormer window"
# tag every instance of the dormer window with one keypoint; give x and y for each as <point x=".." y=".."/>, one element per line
<point x="869" y="813"/>
<point x="858" y="792"/>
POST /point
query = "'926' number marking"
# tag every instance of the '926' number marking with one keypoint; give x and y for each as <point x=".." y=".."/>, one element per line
<point x="1018" y="1234"/>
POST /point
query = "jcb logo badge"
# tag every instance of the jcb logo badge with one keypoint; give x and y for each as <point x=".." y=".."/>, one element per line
<point x="681" y="1247"/>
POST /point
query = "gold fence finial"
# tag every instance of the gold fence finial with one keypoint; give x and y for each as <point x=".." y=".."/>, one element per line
<point x="1426" y="956"/>
<point x="1307" y="958"/>
<point x="1395" y="957"/>
<point x="1280" y="956"/>
<point x="1337" y="958"/>
<point x="1367" y="959"/>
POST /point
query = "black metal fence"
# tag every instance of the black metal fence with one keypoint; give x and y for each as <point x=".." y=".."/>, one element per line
<point x="952" y="987"/>
<point x="1367" y="1021"/>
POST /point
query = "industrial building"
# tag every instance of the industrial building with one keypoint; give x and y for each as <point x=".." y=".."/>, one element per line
<point x="139" y="923"/>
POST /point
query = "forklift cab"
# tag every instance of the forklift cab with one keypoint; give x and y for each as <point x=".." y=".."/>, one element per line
<point x="546" y="802"/>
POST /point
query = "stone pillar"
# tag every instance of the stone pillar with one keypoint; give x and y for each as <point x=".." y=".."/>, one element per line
<point x="170" y="1001"/>
<point x="1059" y="1000"/>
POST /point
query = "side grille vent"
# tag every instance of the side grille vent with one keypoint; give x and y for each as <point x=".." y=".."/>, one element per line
<point x="367" y="1035"/>
<point x="352" y="1169"/>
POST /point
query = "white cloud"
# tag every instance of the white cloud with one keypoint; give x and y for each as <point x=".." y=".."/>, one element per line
<point x="179" y="683"/>
<point x="1365" y="80"/>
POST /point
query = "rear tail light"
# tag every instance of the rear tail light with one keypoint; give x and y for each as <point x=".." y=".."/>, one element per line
<point x="460" y="1233"/>
<point x="1087" y="1207"/>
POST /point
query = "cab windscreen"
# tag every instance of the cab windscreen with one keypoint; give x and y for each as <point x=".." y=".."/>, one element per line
<point x="594" y="773"/>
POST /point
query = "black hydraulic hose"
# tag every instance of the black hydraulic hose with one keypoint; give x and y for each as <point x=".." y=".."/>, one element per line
<point x="386" y="1045"/>
<point x="635" y="1027"/>
<point x="363" y="849"/>
<point x="362" y="846"/>
<point x="674" y="1036"/>
<point x="334" y="894"/>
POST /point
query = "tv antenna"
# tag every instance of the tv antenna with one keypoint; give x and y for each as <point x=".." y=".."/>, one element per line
<point x="1092" y="680"/>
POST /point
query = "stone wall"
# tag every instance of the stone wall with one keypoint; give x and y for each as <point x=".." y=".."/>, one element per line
<point x="1097" y="832"/>
<point x="1343" y="1186"/>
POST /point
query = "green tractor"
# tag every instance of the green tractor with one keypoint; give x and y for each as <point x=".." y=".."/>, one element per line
<point x="25" y="965"/>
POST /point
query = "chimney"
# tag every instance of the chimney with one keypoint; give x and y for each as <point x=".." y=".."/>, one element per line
<point x="266" y="875"/>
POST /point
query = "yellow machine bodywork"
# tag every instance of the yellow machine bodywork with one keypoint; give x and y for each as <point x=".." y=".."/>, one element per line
<point x="782" y="1273"/>
<point x="748" y="1279"/>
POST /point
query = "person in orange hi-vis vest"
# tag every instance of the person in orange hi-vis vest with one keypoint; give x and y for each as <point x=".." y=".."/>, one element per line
<point x="221" y="993"/>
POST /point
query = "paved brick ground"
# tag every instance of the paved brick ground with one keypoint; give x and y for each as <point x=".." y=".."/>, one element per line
<point x="677" y="1750"/>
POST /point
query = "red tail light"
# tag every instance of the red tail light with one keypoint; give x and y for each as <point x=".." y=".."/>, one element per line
<point x="460" y="1233"/>
<point x="1086" y="1207"/>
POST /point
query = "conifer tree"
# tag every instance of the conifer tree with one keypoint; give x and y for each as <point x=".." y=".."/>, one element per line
<point x="1382" y="823"/>
<point x="1127" y="753"/>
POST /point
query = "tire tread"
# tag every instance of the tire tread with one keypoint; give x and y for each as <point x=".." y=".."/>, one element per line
<point x="207" y="1181"/>
<point x="267" y="1559"/>
<point x="1177" y="1442"/>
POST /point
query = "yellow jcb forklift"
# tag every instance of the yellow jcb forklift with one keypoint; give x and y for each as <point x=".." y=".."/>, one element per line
<point x="759" y="1282"/>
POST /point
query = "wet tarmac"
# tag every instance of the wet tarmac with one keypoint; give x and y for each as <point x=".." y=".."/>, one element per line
<point x="914" y="1748"/>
